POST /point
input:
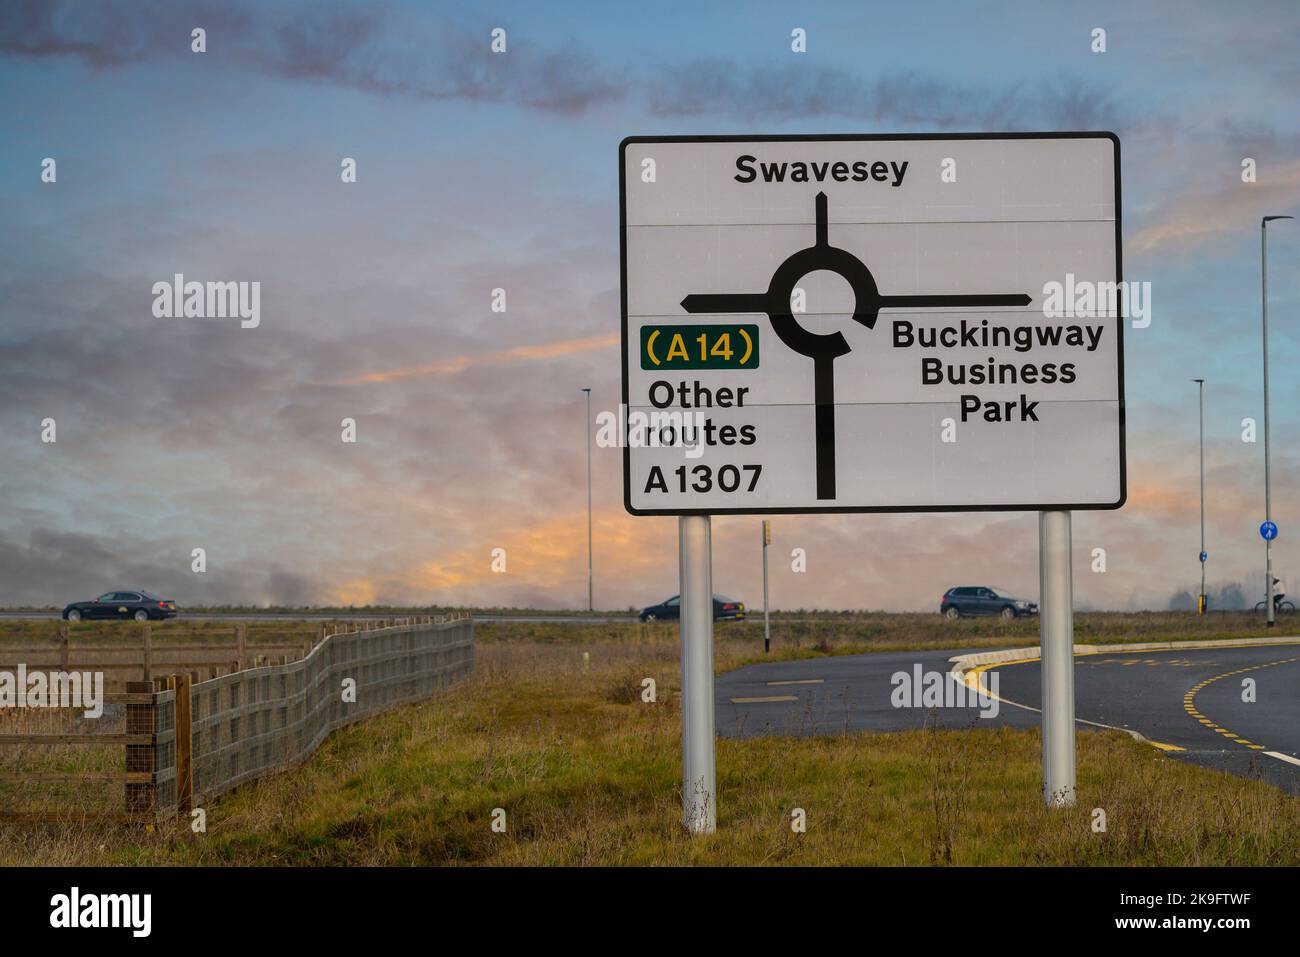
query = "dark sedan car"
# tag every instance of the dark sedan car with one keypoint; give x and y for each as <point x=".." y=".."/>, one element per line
<point x="122" y="605"/>
<point x="724" y="609"/>
<point x="972" y="600"/>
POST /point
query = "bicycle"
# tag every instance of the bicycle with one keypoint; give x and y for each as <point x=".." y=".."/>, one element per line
<point x="1280" y="607"/>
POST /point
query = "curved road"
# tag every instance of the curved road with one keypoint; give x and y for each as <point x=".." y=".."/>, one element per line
<point x="1188" y="702"/>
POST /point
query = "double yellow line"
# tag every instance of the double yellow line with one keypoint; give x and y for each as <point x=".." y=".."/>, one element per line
<point x="973" y="680"/>
<point x="1189" y="702"/>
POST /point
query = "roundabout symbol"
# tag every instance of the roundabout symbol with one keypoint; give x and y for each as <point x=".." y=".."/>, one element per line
<point x="824" y="348"/>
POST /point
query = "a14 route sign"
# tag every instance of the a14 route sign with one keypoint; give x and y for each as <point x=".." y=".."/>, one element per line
<point x="872" y="323"/>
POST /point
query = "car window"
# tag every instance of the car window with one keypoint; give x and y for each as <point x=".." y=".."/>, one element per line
<point x="964" y="592"/>
<point x="126" y="596"/>
<point x="673" y="600"/>
<point x="107" y="596"/>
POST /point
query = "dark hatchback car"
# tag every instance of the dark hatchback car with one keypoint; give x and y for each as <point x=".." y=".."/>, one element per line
<point x="971" y="600"/>
<point x="724" y="609"/>
<point x="122" y="605"/>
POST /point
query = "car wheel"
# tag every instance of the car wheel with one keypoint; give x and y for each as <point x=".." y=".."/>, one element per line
<point x="1008" y="613"/>
<point x="650" y="617"/>
<point x="141" y="615"/>
<point x="953" y="613"/>
<point x="73" y="615"/>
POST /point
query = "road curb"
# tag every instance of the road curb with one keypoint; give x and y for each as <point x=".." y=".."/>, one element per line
<point x="963" y="663"/>
<point x="966" y="667"/>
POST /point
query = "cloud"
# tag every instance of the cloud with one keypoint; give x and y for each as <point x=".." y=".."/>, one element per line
<point x="550" y="350"/>
<point x="384" y="50"/>
<point x="716" y="86"/>
<point x="113" y="33"/>
<point x="53" y="567"/>
<point x="1197" y="215"/>
<point x="374" y="48"/>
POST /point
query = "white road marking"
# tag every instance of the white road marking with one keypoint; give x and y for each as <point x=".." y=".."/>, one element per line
<point x="1283" y="757"/>
<point x="799" y="681"/>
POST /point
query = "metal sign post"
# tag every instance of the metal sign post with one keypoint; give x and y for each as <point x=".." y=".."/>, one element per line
<point x="767" y="622"/>
<point x="1056" y="636"/>
<point x="1268" y="489"/>
<point x="699" y="777"/>
<point x="1201" y="602"/>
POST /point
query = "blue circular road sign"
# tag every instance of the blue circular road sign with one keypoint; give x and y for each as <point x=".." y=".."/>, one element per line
<point x="1204" y="556"/>
<point x="1268" y="531"/>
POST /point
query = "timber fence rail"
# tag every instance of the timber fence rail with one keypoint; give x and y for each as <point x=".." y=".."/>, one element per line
<point x="188" y="741"/>
<point x="125" y="663"/>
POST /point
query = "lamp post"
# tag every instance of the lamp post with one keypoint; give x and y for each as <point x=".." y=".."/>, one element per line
<point x="1268" y="496"/>
<point x="586" y="434"/>
<point x="1200" y="598"/>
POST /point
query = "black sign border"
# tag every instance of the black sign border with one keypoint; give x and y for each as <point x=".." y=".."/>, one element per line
<point x="867" y="137"/>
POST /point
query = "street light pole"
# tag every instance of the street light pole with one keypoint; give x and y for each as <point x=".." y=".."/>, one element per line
<point x="1268" y="496"/>
<point x="1200" y="598"/>
<point x="587" y="437"/>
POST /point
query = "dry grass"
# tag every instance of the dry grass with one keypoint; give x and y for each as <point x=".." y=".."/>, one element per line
<point x="878" y="631"/>
<point x="589" y="774"/>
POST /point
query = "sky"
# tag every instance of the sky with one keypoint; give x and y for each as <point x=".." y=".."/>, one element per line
<point x="478" y="171"/>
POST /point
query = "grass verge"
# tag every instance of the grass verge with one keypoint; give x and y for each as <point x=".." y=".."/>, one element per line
<point x="587" y="773"/>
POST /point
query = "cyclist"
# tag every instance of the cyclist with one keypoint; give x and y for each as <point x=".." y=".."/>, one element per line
<point x="1279" y="606"/>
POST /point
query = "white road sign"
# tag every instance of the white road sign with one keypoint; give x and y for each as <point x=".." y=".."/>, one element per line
<point x="872" y="323"/>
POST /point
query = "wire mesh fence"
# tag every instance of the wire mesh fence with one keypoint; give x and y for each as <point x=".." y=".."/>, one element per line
<point x="189" y="741"/>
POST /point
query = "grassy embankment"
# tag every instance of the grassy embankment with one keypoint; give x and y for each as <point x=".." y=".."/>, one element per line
<point x="589" y="774"/>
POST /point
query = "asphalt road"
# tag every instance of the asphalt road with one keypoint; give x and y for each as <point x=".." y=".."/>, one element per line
<point x="1144" y="692"/>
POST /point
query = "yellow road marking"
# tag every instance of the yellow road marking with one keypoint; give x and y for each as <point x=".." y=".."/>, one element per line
<point x="1189" y="700"/>
<point x="974" y="681"/>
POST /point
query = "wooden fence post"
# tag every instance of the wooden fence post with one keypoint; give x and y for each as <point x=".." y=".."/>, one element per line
<point x="148" y="651"/>
<point x="141" y="758"/>
<point x="241" y="639"/>
<point x="184" y="747"/>
<point x="63" y="646"/>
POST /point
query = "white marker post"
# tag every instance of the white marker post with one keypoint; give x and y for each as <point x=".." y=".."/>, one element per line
<point x="699" y="777"/>
<point x="767" y="621"/>
<point x="1056" y="636"/>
